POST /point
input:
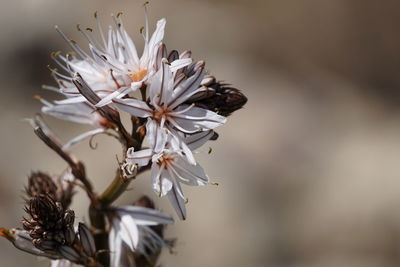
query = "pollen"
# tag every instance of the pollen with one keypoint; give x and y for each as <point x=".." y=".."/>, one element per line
<point x="166" y="160"/>
<point x="160" y="113"/>
<point x="138" y="75"/>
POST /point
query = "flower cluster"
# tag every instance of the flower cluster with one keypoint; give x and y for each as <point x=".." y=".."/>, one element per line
<point x="174" y="107"/>
<point x="176" y="112"/>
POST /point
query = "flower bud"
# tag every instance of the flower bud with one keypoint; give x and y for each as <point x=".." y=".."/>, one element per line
<point x="218" y="97"/>
<point x="87" y="240"/>
<point x="69" y="253"/>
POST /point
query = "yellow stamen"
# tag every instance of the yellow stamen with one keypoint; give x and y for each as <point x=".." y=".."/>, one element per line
<point x="138" y="75"/>
<point x="215" y="183"/>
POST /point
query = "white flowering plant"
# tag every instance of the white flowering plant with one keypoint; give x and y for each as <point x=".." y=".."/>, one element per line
<point x="174" y="109"/>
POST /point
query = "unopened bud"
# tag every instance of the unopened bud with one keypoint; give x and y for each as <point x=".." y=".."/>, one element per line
<point x="69" y="253"/>
<point x="87" y="240"/>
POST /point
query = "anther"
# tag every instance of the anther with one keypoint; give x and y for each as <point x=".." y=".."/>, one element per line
<point x="215" y="183"/>
<point x="53" y="55"/>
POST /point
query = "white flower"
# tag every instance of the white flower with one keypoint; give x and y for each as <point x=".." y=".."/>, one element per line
<point x="82" y="112"/>
<point x="167" y="109"/>
<point x="170" y="166"/>
<point x="114" y="68"/>
<point x="129" y="229"/>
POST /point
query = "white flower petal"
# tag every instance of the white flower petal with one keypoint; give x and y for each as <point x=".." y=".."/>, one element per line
<point x="161" y="179"/>
<point x="78" y="113"/>
<point x="141" y="157"/>
<point x="156" y="136"/>
<point x="150" y="48"/>
<point x="177" y="143"/>
<point x="161" y="85"/>
<point x="133" y="106"/>
<point x="115" y="246"/>
<point x="177" y="201"/>
<point x="71" y="100"/>
<point x="185" y="89"/>
<point x="82" y="137"/>
<point x="199" y="139"/>
<point x="180" y="63"/>
<point x="118" y="93"/>
<point x="198" y="119"/>
<point x="130" y="46"/>
<point x="128" y="231"/>
<point x="145" y="216"/>
<point x="190" y="174"/>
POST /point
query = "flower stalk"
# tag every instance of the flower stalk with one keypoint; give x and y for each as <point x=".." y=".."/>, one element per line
<point x="174" y="108"/>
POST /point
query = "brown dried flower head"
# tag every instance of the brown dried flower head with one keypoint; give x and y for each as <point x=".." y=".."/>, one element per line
<point x="40" y="183"/>
<point x="50" y="225"/>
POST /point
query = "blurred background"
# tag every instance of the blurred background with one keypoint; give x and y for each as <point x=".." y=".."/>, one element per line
<point x="308" y="170"/>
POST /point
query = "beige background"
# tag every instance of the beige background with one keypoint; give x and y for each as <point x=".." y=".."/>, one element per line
<point x="308" y="171"/>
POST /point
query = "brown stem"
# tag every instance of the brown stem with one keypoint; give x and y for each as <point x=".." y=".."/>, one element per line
<point x="77" y="168"/>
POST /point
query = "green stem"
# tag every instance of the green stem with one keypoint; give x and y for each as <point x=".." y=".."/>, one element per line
<point x="114" y="190"/>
